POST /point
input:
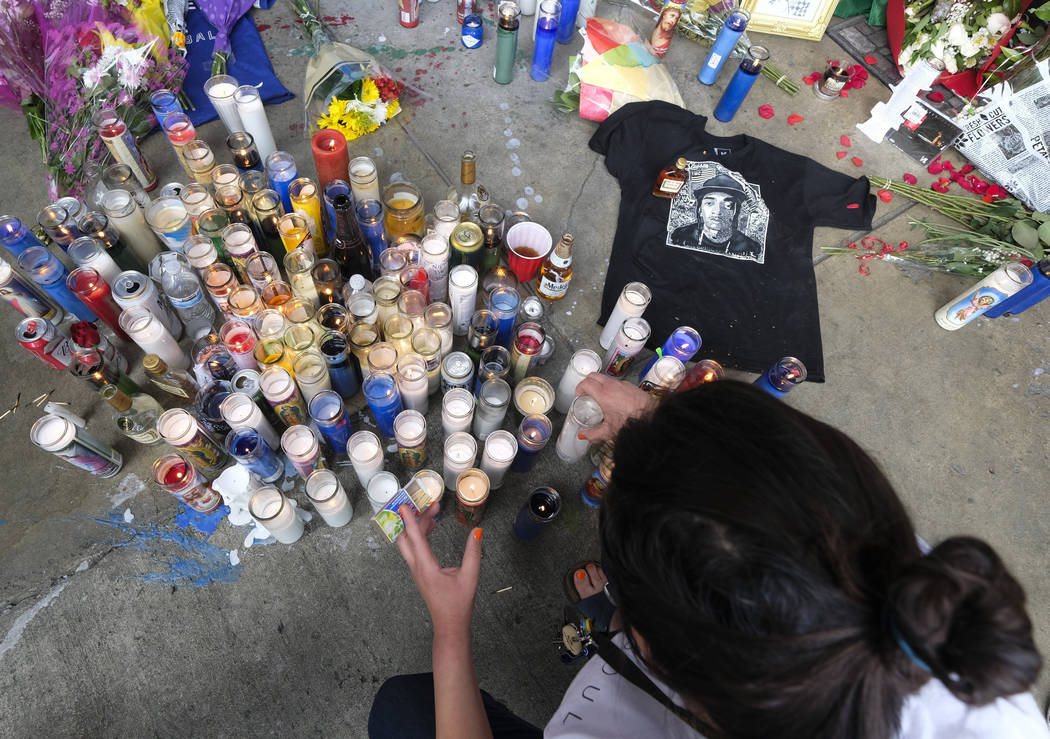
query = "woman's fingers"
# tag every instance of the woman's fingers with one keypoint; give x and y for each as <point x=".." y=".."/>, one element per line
<point x="471" y="564"/>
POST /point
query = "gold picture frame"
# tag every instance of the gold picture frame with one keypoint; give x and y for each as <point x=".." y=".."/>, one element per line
<point x="804" y="19"/>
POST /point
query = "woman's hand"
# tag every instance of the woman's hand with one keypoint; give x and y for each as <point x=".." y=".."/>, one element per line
<point x="447" y="591"/>
<point x="620" y="402"/>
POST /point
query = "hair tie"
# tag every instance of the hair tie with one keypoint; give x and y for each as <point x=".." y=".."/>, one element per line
<point x="906" y="647"/>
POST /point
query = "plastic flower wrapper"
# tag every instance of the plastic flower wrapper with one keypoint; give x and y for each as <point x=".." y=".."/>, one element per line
<point x="346" y="89"/>
<point x="223" y="14"/>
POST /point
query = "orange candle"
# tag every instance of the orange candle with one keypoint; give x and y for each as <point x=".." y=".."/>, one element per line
<point x="330" y="156"/>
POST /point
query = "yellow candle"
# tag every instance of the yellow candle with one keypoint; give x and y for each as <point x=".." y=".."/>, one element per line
<point x="306" y="200"/>
<point x="295" y="232"/>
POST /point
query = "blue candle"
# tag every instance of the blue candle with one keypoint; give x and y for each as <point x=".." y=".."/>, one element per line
<point x="744" y="78"/>
<point x="503" y="302"/>
<point x="539" y="510"/>
<point x="782" y="376"/>
<point x="384" y="399"/>
<point x="46" y="271"/>
<point x="164" y="103"/>
<point x="248" y="447"/>
<point x="731" y="31"/>
<point x="1035" y="291"/>
<point x="533" y="434"/>
<point x="342" y="365"/>
<point x="567" y="21"/>
<point x="331" y="190"/>
<point x="280" y="169"/>
<point x="329" y="413"/>
<point x="683" y="343"/>
<point x="15" y="236"/>
<point x="370" y="219"/>
<point x="546" y="32"/>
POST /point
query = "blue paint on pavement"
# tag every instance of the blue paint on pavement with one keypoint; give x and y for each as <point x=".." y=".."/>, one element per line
<point x="206" y="523"/>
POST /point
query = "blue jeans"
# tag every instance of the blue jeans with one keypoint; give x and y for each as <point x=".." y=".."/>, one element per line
<point x="404" y="709"/>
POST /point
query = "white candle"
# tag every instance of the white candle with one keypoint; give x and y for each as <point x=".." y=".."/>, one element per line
<point x="364" y="181"/>
<point x="493" y="400"/>
<point x="381" y="488"/>
<point x="410" y="431"/>
<point x="438" y="316"/>
<point x="152" y="337"/>
<point x="412" y="382"/>
<point x="302" y="449"/>
<point x="460" y="451"/>
<point x="366" y="455"/>
<point x="254" y="120"/>
<point x="633" y="300"/>
<point x="462" y="295"/>
<point x="533" y="395"/>
<point x="220" y="90"/>
<point x="500" y="449"/>
<point x="434" y="258"/>
<point x="311" y="373"/>
<point x="457" y="411"/>
<point x="328" y="498"/>
<point x="273" y="512"/>
<point x="584" y="413"/>
<point x="130" y="221"/>
<point x="89" y="252"/>
<point x="240" y="411"/>
<point x="583" y="363"/>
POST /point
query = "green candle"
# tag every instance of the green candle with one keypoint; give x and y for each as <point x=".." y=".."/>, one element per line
<point x="506" y="41"/>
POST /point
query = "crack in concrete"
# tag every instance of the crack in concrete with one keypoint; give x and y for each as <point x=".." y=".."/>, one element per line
<point x="579" y="194"/>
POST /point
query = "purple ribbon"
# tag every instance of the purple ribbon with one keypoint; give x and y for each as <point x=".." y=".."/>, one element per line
<point x="223" y="14"/>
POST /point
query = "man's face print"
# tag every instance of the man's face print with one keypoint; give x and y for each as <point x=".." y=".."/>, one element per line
<point x="718" y="214"/>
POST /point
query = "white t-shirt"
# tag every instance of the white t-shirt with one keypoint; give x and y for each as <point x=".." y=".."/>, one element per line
<point x="600" y="703"/>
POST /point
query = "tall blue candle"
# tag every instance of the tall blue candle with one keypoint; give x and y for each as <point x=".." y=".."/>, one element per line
<point x="546" y="32"/>
<point x="683" y="343"/>
<point x="384" y="399"/>
<point x="46" y="271"/>
<point x="567" y="20"/>
<point x="248" y="447"/>
<point x="731" y="31"/>
<point x="15" y="236"/>
<point x="163" y="103"/>
<point x="503" y="302"/>
<point x="533" y="434"/>
<point x="1035" y="291"/>
<point x="329" y="413"/>
<point x="342" y="369"/>
<point x="331" y="190"/>
<point x="744" y="78"/>
<point x="280" y="170"/>
<point x="370" y="219"/>
<point x="782" y="376"/>
<point x="542" y="507"/>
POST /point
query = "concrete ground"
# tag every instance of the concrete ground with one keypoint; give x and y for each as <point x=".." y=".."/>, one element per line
<point x="110" y="628"/>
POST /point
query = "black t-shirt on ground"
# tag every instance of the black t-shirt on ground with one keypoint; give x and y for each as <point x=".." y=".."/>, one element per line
<point x="732" y="254"/>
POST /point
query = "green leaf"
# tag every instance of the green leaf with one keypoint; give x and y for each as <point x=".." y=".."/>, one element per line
<point x="1044" y="232"/>
<point x="1042" y="12"/>
<point x="1041" y="217"/>
<point x="1025" y="235"/>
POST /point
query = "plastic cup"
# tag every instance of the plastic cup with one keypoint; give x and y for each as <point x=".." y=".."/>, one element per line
<point x="528" y="244"/>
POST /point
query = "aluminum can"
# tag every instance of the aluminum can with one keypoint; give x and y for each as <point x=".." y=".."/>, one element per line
<point x="43" y="340"/>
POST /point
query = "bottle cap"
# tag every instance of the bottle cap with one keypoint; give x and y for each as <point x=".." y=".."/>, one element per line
<point x="681" y="163"/>
<point x="153" y="363"/>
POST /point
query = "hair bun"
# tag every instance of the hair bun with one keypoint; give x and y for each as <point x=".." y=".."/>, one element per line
<point x="963" y="613"/>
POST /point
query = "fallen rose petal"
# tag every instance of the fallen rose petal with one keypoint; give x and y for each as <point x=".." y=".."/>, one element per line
<point x="843" y="94"/>
<point x="885" y="196"/>
<point x="840" y="154"/>
<point x="864" y="270"/>
<point x="811" y="79"/>
<point x="852" y="245"/>
<point x="979" y="186"/>
<point x="935" y="166"/>
<point x="935" y="97"/>
<point x="871" y="59"/>
<point x="857" y="161"/>
<point x="766" y="111"/>
<point x="948" y="166"/>
<point x="966" y="169"/>
<point x="910" y="178"/>
<point x="939" y="187"/>
<point x="988" y="198"/>
<point x="852" y="206"/>
<point x="844" y="140"/>
<point x="859" y="83"/>
<point x="795" y="118"/>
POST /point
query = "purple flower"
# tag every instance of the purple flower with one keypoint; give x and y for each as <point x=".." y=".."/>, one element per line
<point x="69" y="168"/>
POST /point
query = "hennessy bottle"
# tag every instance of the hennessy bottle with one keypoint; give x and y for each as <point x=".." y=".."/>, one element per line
<point x="556" y="271"/>
<point x="671" y="179"/>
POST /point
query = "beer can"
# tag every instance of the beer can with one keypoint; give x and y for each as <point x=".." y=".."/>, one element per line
<point x="465" y="8"/>
<point x="408" y="13"/>
<point x="25" y="297"/>
<point x="64" y="439"/>
<point x="46" y="342"/>
<point x="133" y="289"/>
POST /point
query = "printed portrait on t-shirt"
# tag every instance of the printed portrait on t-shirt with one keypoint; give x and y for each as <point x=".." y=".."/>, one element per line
<point x="719" y="212"/>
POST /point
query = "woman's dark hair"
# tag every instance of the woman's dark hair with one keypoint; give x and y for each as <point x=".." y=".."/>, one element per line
<point x="766" y="562"/>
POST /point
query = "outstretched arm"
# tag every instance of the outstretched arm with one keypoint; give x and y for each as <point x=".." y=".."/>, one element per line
<point x="620" y="401"/>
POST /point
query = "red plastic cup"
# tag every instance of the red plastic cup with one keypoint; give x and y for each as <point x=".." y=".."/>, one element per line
<point x="528" y="244"/>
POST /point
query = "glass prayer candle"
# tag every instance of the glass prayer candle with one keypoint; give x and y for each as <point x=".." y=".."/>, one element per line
<point x="59" y="224"/>
<point x="180" y="131"/>
<point x="503" y="302"/>
<point x="462" y="293"/>
<point x="280" y="169"/>
<point x="508" y="17"/>
<point x="261" y="269"/>
<point x="302" y="449"/>
<point x="270" y="324"/>
<point x="460" y="451"/>
<point x="629" y="341"/>
<point x="211" y="223"/>
<point x="276" y="294"/>
<point x="583" y="363"/>
<point x="366" y="455"/>
<point x="311" y="373"/>
<point x="410" y="431"/>
<point x="298" y="265"/>
<point x="244" y="301"/>
<point x="472" y="494"/>
<point x="220" y="281"/>
<point x="220" y="90"/>
<point x="253" y="182"/>
<point x="170" y="222"/>
<point x="268" y="210"/>
<point x="15" y="236"/>
<point x="547" y="18"/>
<point x="121" y="144"/>
<point x="177" y="476"/>
<point x="584" y="413"/>
<point x="457" y="371"/>
<point x="493" y="401"/>
<point x="97" y="225"/>
<point x="494" y="363"/>
<point x="120" y="177"/>
<point x="296" y="233"/>
<point x="342" y="370"/>
<point x="253" y="118"/>
<point x="413" y="383"/>
<point x="298" y="337"/>
<point x="382" y="357"/>
<point x="329" y="413"/>
<point x="391" y="262"/>
<point x="196" y="199"/>
<point x="25" y="297"/>
<point x="71" y="442"/>
<point x="181" y="430"/>
<point x="415" y="279"/>
<point x="457" y="411"/>
<point x="741" y="83"/>
<point x="541" y="507"/>
<point x="270" y="509"/>
<point x="94" y="292"/>
<point x="90" y="253"/>
<point x="305" y="199"/>
<point x="199" y="158"/>
<point x="386" y="291"/>
<point x="328" y="280"/>
<point x="364" y="180"/>
<point x="280" y="392"/>
<point x="782" y="377"/>
<point x="432" y="483"/>
<point x="225" y="174"/>
<point x="230" y="198"/>
<point x="125" y="214"/>
<point x="397" y="331"/>
<point x="214" y="358"/>
<point x="363" y="336"/>
<point x="330" y="156"/>
<point x="683" y="343"/>
<point x="240" y="411"/>
<point x="482" y="333"/>
<point x="633" y="300"/>
<point x="243" y="151"/>
<point x="239" y="243"/>
<point x="528" y="341"/>
<point x="362" y="306"/>
<point x="50" y="274"/>
<point x="434" y="259"/>
<point x="328" y="498"/>
<point x="250" y="448"/>
<point x="200" y="253"/>
<point x="438" y="317"/>
<point x="500" y="449"/>
<point x="274" y="353"/>
<point x="491" y="222"/>
<point x="704" y="371"/>
<point x="384" y="400"/>
<point x="370" y="220"/>
<point x="533" y="395"/>
<point x="381" y="488"/>
<point x="427" y="344"/>
<point x="239" y="338"/>
<point x="404" y="210"/>
<point x="663" y="377"/>
<point x="333" y="316"/>
<point x="533" y="434"/>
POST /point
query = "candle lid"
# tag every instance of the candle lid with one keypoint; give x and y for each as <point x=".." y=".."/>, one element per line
<point x="52" y="433"/>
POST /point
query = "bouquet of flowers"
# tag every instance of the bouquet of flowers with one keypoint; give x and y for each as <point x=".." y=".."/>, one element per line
<point x="61" y="62"/>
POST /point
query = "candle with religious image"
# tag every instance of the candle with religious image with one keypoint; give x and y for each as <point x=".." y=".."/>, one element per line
<point x="182" y="431"/>
<point x="71" y="442"/>
<point x="629" y="342"/>
<point x="175" y="475"/>
<point x="472" y="495"/>
<point x="25" y="297"/>
<point x="384" y="400"/>
<point x="683" y="343"/>
<point x="250" y="448"/>
<point x="275" y="513"/>
<point x="434" y="259"/>
<point x="782" y="377"/>
<point x="534" y="432"/>
<point x="328" y="498"/>
<point x="975" y="301"/>
<point x="410" y="431"/>
<point x="280" y="391"/>
<point x="121" y="144"/>
<point x="239" y="243"/>
<point x="329" y="413"/>
<point x="663" y="377"/>
<point x="584" y="413"/>
<point x="302" y="449"/>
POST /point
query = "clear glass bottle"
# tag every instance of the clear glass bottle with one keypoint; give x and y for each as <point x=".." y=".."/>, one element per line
<point x="556" y="271"/>
<point x="671" y="179"/>
<point x="348" y="245"/>
<point x="184" y="291"/>
<point x="468" y="196"/>
<point x="137" y="414"/>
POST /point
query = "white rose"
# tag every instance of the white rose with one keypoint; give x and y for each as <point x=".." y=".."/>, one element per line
<point x="969" y="48"/>
<point x="957" y="34"/>
<point x="998" y="24"/>
<point x="950" y="65"/>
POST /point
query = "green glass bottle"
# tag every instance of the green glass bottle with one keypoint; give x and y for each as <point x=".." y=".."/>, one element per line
<point x="506" y="41"/>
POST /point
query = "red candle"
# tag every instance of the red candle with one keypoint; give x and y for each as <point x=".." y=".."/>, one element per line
<point x="96" y="295"/>
<point x="180" y="130"/>
<point x="330" y="156"/>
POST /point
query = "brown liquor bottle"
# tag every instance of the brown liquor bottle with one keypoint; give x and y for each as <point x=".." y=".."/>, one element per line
<point x="556" y="271"/>
<point x="671" y="179"/>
